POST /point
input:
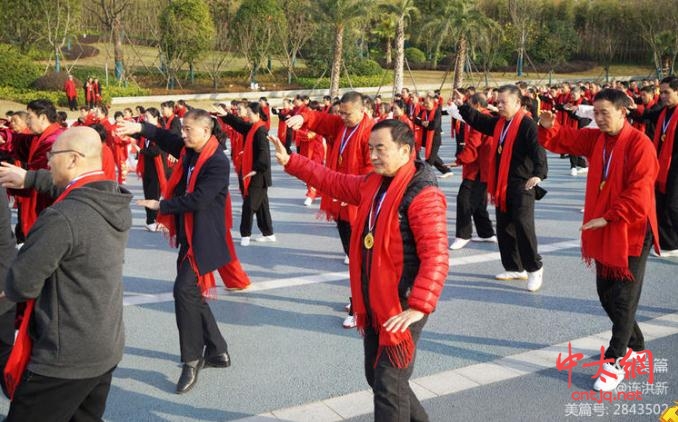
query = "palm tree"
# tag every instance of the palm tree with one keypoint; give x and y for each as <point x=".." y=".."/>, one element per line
<point x="340" y="14"/>
<point x="403" y="10"/>
<point x="469" y="24"/>
<point x="385" y="30"/>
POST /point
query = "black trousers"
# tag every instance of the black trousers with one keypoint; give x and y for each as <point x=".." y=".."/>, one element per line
<point x="667" y="216"/>
<point x="515" y="231"/>
<point x="394" y="400"/>
<point x="41" y="398"/>
<point x="434" y="159"/>
<point x="472" y="205"/>
<point x="256" y="203"/>
<point x="344" y="228"/>
<point x="620" y="301"/>
<point x="73" y="103"/>
<point x="151" y="186"/>
<point x="576" y="161"/>
<point x="199" y="334"/>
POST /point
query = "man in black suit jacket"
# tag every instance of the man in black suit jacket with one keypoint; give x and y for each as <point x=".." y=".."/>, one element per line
<point x="202" y="195"/>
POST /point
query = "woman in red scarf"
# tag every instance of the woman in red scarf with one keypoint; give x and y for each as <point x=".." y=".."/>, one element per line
<point x="619" y="219"/>
<point x="151" y="168"/>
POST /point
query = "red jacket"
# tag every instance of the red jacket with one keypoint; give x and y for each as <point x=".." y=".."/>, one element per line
<point x="426" y="217"/>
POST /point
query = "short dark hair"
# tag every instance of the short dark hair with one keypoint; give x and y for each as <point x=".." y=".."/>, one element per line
<point x="478" y="99"/>
<point x="118" y="114"/>
<point x="153" y="112"/>
<point x="257" y="109"/>
<point x="618" y="98"/>
<point x="511" y="89"/>
<point x="167" y="104"/>
<point x="400" y="132"/>
<point x="672" y="81"/>
<point x="200" y="114"/>
<point x="43" y="106"/>
<point x="648" y="88"/>
<point x="352" y="97"/>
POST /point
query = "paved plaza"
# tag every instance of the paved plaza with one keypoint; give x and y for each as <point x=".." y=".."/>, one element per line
<point x="489" y="351"/>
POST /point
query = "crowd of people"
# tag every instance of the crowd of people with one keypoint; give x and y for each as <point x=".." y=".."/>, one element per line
<point x="373" y="165"/>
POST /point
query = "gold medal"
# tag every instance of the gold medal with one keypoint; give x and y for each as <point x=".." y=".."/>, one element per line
<point x="499" y="149"/>
<point x="341" y="159"/>
<point x="602" y="185"/>
<point x="663" y="137"/>
<point x="368" y="241"/>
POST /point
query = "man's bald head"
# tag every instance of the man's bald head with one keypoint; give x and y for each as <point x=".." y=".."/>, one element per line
<point x="76" y="151"/>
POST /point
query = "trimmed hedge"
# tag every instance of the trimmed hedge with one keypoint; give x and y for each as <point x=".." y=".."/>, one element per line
<point x="364" y="67"/>
<point x="25" y="96"/>
<point x="415" y="55"/>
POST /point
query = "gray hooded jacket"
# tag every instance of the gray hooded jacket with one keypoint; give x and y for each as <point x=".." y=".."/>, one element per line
<point x="71" y="263"/>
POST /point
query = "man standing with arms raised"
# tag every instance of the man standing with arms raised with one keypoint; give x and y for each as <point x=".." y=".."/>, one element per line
<point x="517" y="165"/>
<point x="399" y="258"/>
<point x="348" y="154"/>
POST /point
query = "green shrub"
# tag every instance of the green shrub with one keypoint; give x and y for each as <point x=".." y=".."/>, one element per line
<point x="16" y="70"/>
<point x="364" y="67"/>
<point x="415" y="55"/>
<point x="25" y="96"/>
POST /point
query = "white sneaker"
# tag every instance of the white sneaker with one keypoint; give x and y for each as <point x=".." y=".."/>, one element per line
<point x="245" y="241"/>
<point x="535" y="280"/>
<point x="459" y="243"/>
<point x="349" y="322"/>
<point x="19" y="245"/>
<point x="446" y="175"/>
<point x="512" y="275"/>
<point x="308" y="202"/>
<point x="582" y="170"/>
<point x="153" y="227"/>
<point x="573" y="171"/>
<point x="346" y="260"/>
<point x="348" y="307"/>
<point x="269" y="238"/>
<point x="668" y="253"/>
<point x="607" y="382"/>
<point x="491" y="239"/>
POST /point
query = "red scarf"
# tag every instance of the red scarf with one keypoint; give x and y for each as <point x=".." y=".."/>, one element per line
<point x="159" y="169"/>
<point x="667" y="147"/>
<point x="386" y="266"/>
<point x="497" y="182"/>
<point x="609" y="246"/>
<point x="205" y="281"/>
<point x="23" y="345"/>
<point x="29" y="204"/>
<point x="248" y="156"/>
<point x="428" y="144"/>
<point x="350" y="158"/>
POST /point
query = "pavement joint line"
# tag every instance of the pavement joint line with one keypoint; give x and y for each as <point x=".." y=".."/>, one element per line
<point x="444" y="381"/>
<point x="132" y="298"/>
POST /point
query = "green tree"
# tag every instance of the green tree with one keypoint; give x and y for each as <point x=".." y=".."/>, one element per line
<point x="299" y="27"/>
<point x="257" y="25"/>
<point x="340" y="14"/>
<point x="555" y="44"/>
<point x="186" y="33"/>
<point x="110" y="14"/>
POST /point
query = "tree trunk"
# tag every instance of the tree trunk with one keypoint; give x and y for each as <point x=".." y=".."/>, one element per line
<point x="336" y="63"/>
<point x="389" y="52"/>
<point x="459" y="62"/>
<point x="438" y="43"/>
<point x="117" y="49"/>
<point x="398" y="70"/>
<point x="57" y="60"/>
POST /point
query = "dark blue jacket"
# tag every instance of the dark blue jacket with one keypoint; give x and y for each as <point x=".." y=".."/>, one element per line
<point x="206" y="202"/>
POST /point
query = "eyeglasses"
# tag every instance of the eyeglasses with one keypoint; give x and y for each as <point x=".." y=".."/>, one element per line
<point x="51" y="154"/>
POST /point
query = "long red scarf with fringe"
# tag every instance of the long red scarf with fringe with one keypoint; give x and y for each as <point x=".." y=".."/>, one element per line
<point x="205" y="281"/>
<point x="608" y="245"/>
<point x="667" y="147"/>
<point x="497" y="180"/>
<point x="386" y="266"/>
<point x="248" y="156"/>
<point x="430" y="131"/>
<point x="23" y="345"/>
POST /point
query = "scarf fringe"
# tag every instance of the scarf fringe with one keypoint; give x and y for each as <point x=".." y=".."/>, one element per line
<point x="400" y="355"/>
<point x="608" y="272"/>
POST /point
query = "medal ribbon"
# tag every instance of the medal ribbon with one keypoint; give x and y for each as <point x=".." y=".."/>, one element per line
<point x="344" y="139"/>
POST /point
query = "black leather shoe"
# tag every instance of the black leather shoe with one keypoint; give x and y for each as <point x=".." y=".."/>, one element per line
<point x="188" y="378"/>
<point x="222" y="360"/>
